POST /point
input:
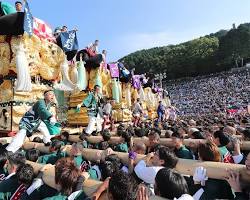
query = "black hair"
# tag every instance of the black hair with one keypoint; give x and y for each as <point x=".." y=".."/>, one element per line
<point x="16" y="158"/>
<point x="97" y="86"/>
<point x="122" y="186"/>
<point x="177" y="135"/>
<point x="65" y="134"/>
<point x="130" y="129"/>
<point x="156" y="124"/>
<point x="165" y="126"/>
<point x="56" y="144"/>
<point x="170" y="159"/>
<point x="111" y="164"/>
<point x="47" y="92"/>
<point x="246" y="133"/>
<point x="127" y="137"/>
<point x="245" y="121"/>
<point x="37" y="139"/>
<point x="115" y="159"/>
<point x="140" y="132"/>
<point x="18" y="2"/>
<point x="223" y="138"/>
<point x="25" y="174"/>
<point x="155" y="130"/>
<point x="3" y="157"/>
<point x="176" y="184"/>
<point x="32" y="154"/>
<point x="198" y="135"/>
<point x="103" y="145"/>
<point x="120" y="129"/>
<point x="106" y="135"/>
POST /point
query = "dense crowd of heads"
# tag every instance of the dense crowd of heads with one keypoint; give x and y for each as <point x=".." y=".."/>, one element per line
<point x="154" y="175"/>
<point x="216" y="94"/>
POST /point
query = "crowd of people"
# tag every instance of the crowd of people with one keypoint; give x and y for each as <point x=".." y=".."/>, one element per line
<point x="154" y="174"/>
<point x="217" y="94"/>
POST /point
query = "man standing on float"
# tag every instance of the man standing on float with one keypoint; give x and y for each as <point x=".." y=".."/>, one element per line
<point x="34" y="120"/>
<point x="93" y="103"/>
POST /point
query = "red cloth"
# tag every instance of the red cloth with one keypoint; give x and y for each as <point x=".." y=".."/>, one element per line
<point x="42" y="30"/>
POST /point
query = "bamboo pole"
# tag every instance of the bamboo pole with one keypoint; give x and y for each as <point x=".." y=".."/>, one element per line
<point x="215" y="170"/>
<point x="245" y="145"/>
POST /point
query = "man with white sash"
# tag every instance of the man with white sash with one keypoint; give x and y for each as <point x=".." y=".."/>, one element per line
<point x="35" y="119"/>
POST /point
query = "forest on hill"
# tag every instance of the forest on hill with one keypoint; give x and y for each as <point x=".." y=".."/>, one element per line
<point x="215" y="52"/>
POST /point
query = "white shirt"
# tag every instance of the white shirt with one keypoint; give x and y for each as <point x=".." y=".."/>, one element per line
<point x="147" y="174"/>
<point x="10" y="175"/>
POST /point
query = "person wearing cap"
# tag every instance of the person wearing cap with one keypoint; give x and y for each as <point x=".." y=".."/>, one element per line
<point x="93" y="103"/>
<point x="34" y="119"/>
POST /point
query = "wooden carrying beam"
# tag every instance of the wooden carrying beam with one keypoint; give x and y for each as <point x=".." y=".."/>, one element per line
<point x="164" y="141"/>
<point x="89" y="186"/>
<point x="215" y="170"/>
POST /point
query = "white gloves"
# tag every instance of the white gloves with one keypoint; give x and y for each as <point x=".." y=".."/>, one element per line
<point x="200" y="175"/>
<point x="52" y="120"/>
<point x="79" y="106"/>
<point x="37" y="183"/>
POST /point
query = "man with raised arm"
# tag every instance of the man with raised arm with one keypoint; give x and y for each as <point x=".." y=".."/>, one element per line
<point x="35" y="119"/>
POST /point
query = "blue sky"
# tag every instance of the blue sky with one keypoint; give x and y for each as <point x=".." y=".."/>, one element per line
<point x="124" y="26"/>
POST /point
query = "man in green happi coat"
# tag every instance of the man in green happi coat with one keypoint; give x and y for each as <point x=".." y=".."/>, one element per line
<point x="35" y="119"/>
<point x="93" y="102"/>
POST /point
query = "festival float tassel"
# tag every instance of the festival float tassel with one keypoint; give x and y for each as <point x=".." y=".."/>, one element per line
<point x="120" y="91"/>
<point x="74" y="74"/>
<point x="141" y="94"/>
<point x="98" y="80"/>
<point x="82" y="82"/>
<point x="66" y="84"/>
<point x="23" y="82"/>
<point x="115" y="91"/>
<point x="128" y="95"/>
